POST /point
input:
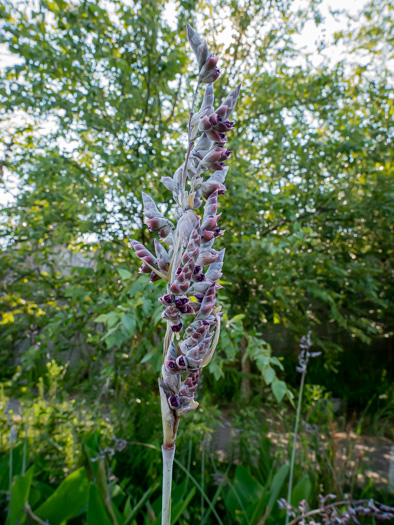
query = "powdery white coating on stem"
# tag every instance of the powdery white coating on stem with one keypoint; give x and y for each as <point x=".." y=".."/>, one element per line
<point x="168" y="462"/>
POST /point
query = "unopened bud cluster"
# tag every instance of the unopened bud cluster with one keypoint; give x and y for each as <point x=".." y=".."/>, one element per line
<point x="305" y="354"/>
<point x="189" y="263"/>
<point x="337" y="513"/>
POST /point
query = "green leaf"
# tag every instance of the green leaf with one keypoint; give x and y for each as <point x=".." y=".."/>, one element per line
<point x="129" y="323"/>
<point x="67" y="501"/>
<point x="275" y="361"/>
<point x="269" y="375"/>
<point x="279" y="389"/>
<point x="146" y="357"/>
<point x="127" y="508"/>
<point x="275" y="489"/>
<point x="179" y="509"/>
<point x="112" y="319"/>
<point x="259" y="508"/>
<point x="101" y="318"/>
<point x="215" y="369"/>
<point x="17" y="461"/>
<point x="20" y="491"/>
<point x="96" y="514"/>
<point x="302" y="490"/>
<point x="39" y="492"/>
<point x="246" y="491"/>
<point x="133" y="513"/>
<point x="276" y="485"/>
<point x="124" y="274"/>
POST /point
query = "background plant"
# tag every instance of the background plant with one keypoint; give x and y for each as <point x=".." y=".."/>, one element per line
<point x="85" y="113"/>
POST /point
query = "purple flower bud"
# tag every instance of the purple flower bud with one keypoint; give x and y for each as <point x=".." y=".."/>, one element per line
<point x="171" y="313"/>
<point x="217" y="166"/>
<point x="176" y="288"/>
<point x="186" y="309"/>
<point x="167" y="299"/>
<point x="174" y="402"/>
<point x="210" y="64"/>
<point x="211" y="222"/>
<point x="208" y="303"/>
<point x="207" y="236"/>
<point x="177" y="327"/>
<point x="181" y="362"/>
<point x="217" y="232"/>
<point x="144" y="268"/>
<point x="144" y="254"/>
<point x="211" y="77"/>
<point x="178" y="271"/>
<point x="197" y="269"/>
<point x="181" y="301"/>
<point x="156" y="223"/>
<point x="209" y="72"/>
<point x="205" y="124"/>
<point x="199" y="297"/>
<point x="200" y="278"/>
<point x="165" y="231"/>
<point x="223" y="126"/>
<point x="225" y="155"/>
<point x="215" y="155"/>
<point x="154" y="277"/>
<point x="216" y="136"/>
<point x="222" y="112"/>
<point x="211" y="207"/>
<point x="214" y="120"/>
<point x="172" y="366"/>
<point x="208" y="257"/>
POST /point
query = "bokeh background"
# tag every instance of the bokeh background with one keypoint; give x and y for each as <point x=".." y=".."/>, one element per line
<point x="94" y="108"/>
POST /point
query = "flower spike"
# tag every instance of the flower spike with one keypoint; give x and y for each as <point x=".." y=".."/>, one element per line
<point x="184" y="254"/>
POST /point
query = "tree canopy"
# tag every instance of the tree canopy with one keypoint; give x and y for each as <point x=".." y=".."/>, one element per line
<point x="95" y="112"/>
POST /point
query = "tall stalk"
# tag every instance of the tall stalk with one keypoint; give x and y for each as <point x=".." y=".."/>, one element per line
<point x="303" y="359"/>
<point x="190" y="265"/>
<point x="293" y="452"/>
<point x="168" y="462"/>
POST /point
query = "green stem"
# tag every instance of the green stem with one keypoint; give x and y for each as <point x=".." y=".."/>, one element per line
<point x="184" y="469"/>
<point x="293" y="452"/>
<point x="11" y="456"/>
<point x="24" y="460"/>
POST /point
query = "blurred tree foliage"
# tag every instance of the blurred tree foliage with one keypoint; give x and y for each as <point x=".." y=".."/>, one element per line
<point x="95" y="112"/>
